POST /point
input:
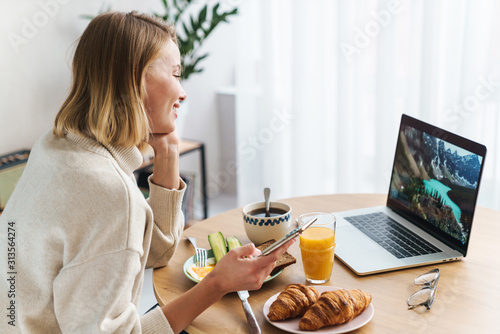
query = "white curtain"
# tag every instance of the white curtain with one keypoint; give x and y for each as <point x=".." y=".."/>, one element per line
<point x="321" y="86"/>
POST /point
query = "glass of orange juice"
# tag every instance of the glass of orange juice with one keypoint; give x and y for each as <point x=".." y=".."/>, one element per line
<point x="317" y="246"/>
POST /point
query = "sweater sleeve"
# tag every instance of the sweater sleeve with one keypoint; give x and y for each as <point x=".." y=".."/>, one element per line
<point x="168" y="223"/>
<point x="91" y="298"/>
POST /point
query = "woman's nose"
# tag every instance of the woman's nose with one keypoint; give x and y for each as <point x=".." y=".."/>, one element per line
<point x="183" y="95"/>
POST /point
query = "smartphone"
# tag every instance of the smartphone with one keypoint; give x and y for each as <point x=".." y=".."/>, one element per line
<point x="292" y="234"/>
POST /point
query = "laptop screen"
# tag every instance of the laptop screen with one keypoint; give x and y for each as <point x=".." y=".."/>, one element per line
<point x="435" y="180"/>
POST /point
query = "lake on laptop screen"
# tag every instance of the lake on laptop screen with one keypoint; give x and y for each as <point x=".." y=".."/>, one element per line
<point x="436" y="181"/>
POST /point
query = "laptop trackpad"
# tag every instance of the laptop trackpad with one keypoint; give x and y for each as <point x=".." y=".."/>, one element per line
<point x="349" y="239"/>
<point x="361" y="253"/>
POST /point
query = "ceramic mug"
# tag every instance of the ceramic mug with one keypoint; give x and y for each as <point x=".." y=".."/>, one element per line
<point x="259" y="228"/>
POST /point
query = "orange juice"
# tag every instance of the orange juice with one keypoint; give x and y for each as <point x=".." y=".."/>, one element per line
<point x="317" y="245"/>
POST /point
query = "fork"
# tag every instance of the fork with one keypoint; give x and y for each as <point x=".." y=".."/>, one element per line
<point x="201" y="253"/>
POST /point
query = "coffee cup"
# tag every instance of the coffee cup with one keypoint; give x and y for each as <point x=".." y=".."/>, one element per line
<point x="260" y="228"/>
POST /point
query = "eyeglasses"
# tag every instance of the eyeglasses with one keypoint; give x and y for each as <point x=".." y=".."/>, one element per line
<point x="425" y="296"/>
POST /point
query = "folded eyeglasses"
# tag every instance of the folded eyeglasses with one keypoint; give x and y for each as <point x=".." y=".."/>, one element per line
<point x="425" y="296"/>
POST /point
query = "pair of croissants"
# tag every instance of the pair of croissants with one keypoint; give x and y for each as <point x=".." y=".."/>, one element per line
<point x="317" y="311"/>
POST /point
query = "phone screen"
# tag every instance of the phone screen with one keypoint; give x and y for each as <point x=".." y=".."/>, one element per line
<point x="292" y="234"/>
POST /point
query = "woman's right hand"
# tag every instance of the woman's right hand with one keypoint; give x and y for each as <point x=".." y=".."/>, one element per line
<point x="242" y="269"/>
<point x="239" y="269"/>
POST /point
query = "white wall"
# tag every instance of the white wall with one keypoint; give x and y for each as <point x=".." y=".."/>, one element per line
<point x="203" y="121"/>
<point x="36" y="44"/>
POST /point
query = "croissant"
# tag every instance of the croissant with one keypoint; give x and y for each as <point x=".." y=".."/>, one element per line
<point x="292" y="302"/>
<point x="335" y="307"/>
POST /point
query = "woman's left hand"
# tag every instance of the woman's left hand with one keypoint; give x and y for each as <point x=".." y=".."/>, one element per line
<point x="166" y="159"/>
<point x="160" y="142"/>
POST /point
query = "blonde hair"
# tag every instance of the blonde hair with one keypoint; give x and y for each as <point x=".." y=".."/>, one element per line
<point x="106" y="101"/>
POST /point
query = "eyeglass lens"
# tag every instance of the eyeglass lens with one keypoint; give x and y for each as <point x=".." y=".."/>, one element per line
<point x="425" y="278"/>
<point x="420" y="297"/>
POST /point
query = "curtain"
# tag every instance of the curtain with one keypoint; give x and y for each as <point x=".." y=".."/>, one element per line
<point x="321" y="86"/>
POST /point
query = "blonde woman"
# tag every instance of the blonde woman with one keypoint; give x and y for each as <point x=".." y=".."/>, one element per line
<point x="84" y="232"/>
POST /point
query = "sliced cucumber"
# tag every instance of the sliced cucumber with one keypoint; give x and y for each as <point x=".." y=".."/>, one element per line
<point x="232" y="242"/>
<point x="218" y="245"/>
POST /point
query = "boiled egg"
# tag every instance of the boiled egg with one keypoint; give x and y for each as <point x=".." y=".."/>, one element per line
<point x="198" y="273"/>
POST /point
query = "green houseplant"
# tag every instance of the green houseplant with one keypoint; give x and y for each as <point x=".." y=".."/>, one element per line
<point x="192" y="29"/>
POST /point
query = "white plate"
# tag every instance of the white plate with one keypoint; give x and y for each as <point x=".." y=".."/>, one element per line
<point x="192" y="260"/>
<point x="292" y="325"/>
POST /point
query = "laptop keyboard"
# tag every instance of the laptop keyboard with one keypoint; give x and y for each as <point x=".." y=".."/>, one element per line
<point x="395" y="238"/>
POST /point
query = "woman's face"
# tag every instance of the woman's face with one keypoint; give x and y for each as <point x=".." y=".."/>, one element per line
<point x="164" y="90"/>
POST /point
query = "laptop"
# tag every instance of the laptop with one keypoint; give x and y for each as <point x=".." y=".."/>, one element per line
<point x="430" y="206"/>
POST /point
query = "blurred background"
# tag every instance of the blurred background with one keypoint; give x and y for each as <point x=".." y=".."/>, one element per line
<point x="304" y="97"/>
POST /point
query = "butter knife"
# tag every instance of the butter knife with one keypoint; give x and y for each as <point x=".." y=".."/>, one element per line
<point x="252" y="322"/>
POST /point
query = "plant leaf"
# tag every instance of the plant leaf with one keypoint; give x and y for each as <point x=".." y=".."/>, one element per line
<point x="203" y="15"/>
<point x="199" y="59"/>
<point x="85" y="16"/>
<point x="214" y="10"/>
<point x="203" y="57"/>
<point x="186" y="29"/>
<point x="194" y="26"/>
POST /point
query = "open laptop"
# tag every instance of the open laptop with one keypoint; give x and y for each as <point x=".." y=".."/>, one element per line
<point x="430" y="206"/>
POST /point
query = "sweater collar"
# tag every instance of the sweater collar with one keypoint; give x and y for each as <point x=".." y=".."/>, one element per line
<point x="128" y="158"/>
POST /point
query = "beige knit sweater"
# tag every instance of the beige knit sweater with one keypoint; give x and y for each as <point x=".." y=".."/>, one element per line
<point x="75" y="238"/>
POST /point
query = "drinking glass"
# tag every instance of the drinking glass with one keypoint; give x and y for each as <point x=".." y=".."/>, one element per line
<point x="317" y="246"/>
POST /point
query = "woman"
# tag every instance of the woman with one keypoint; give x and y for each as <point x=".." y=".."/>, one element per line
<point x="84" y="231"/>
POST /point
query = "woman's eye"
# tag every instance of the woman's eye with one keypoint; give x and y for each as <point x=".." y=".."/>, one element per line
<point x="177" y="76"/>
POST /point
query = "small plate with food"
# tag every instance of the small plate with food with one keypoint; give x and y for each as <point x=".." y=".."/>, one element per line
<point x="314" y="321"/>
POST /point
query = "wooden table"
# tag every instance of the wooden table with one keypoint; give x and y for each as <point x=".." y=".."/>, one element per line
<point x="467" y="299"/>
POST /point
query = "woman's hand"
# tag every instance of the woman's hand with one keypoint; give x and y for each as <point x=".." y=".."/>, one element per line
<point x="242" y="269"/>
<point x="166" y="160"/>
<point x="161" y="141"/>
<point x="239" y="269"/>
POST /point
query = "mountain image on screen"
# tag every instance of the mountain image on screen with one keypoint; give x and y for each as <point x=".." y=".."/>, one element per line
<point x="436" y="181"/>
